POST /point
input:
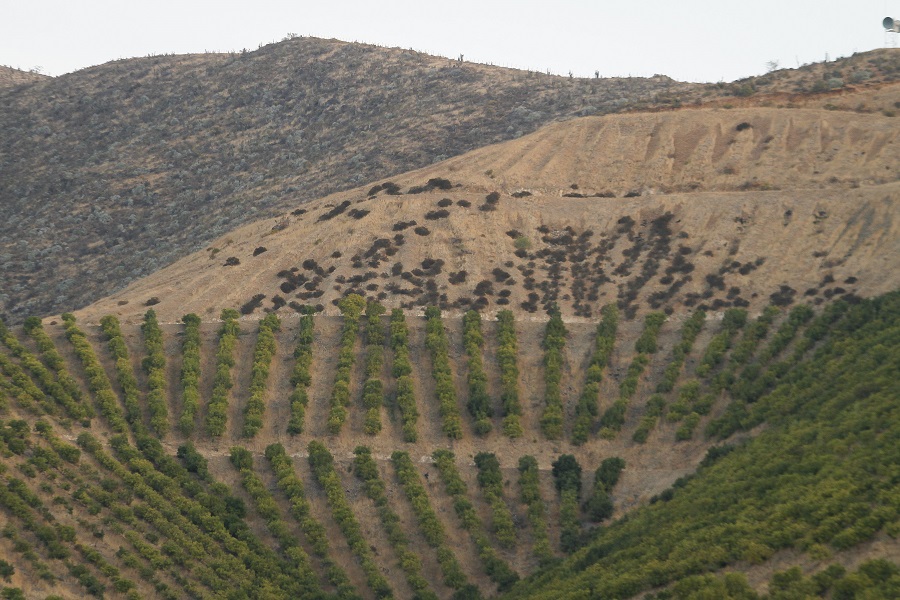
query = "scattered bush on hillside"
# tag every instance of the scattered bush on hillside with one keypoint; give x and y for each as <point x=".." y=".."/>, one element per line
<point x="259" y="374"/>
<point x="154" y="364"/>
<point x="190" y="373"/>
<point x="554" y="341"/>
<point x="445" y="390"/>
<point x="217" y="411"/>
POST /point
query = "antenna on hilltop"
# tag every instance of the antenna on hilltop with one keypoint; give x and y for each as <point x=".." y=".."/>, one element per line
<point x="891" y="29"/>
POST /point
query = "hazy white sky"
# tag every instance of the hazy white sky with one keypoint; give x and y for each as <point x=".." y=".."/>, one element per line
<point x="693" y="40"/>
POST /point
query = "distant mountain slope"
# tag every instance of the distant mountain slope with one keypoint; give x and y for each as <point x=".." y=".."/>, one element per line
<point x="114" y="171"/>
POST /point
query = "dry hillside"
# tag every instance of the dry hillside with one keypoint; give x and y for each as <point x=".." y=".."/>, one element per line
<point x="102" y="164"/>
<point x="115" y="171"/>
<point x="707" y="208"/>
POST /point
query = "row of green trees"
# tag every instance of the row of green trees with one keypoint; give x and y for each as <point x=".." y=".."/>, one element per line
<point x="72" y="407"/>
<point x="814" y="481"/>
<point x="745" y="348"/>
<point x="19" y="386"/>
<point x="567" y="477"/>
<point x="536" y="509"/>
<point x="322" y="464"/>
<point x="302" y="573"/>
<point x="614" y="417"/>
<point x="429" y="524"/>
<point x="367" y="471"/>
<point x="190" y="373"/>
<point x="154" y="365"/>
<point x="495" y="567"/>
<point x="690" y="329"/>
<point x="301" y="374"/>
<point x="186" y="543"/>
<point x="373" y="388"/>
<point x="265" y="349"/>
<point x="352" y="307"/>
<point x="479" y="403"/>
<point x="553" y="418"/>
<point x="313" y="530"/>
<point x="732" y="322"/>
<point x="55" y="362"/>
<point x="98" y="382"/>
<point x="587" y="409"/>
<point x="599" y="505"/>
<point x="507" y="358"/>
<point x="490" y="480"/>
<point x="445" y="390"/>
<point x="402" y="371"/>
<point x="131" y="396"/>
<point x="217" y="410"/>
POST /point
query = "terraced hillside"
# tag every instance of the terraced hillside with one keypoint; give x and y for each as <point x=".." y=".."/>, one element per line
<point x="131" y="468"/>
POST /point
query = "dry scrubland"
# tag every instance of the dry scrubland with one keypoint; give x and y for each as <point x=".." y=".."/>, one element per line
<point x="113" y="172"/>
